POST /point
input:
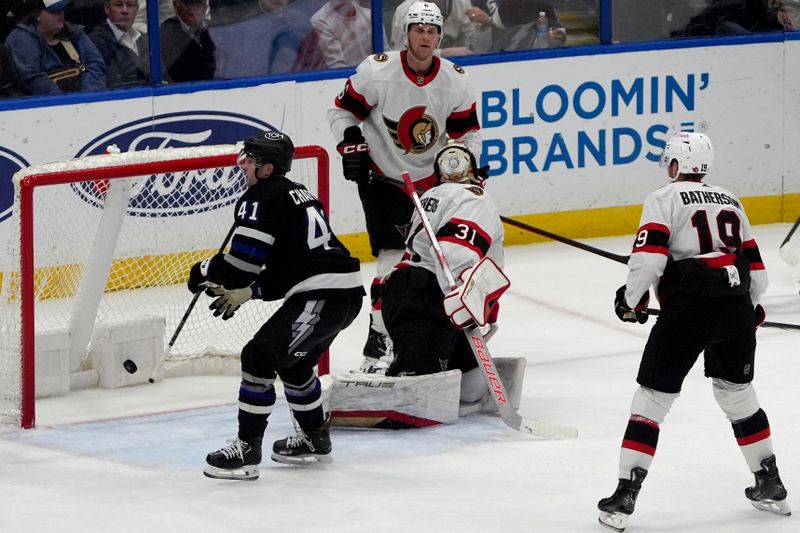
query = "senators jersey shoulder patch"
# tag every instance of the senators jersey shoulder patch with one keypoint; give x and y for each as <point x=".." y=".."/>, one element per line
<point x="380" y="58"/>
<point x="458" y="69"/>
<point x="476" y="190"/>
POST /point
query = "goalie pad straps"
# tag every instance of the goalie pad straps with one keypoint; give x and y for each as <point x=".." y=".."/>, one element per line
<point x="476" y="299"/>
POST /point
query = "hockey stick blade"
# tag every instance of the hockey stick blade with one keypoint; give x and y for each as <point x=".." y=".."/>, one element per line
<point x="477" y="344"/>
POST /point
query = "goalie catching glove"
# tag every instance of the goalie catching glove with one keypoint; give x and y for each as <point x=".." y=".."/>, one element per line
<point x="625" y="313"/>
<point x="230" y="300"/>
<point x="476" y="300"/>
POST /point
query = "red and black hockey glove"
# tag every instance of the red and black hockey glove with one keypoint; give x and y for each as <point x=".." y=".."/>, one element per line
<point x="355" y="155"/>
<point x="625" y="313"/>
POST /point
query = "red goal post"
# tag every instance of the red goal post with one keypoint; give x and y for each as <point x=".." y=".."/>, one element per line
<point x="37" y="282"/>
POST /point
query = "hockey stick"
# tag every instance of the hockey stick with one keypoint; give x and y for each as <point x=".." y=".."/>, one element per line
<point x="188" y="312"/>
<point x="538" y="231"/>
<point x="787" y="253"/>
<point x="778" y="325"/>
<point x="478" y="345"/>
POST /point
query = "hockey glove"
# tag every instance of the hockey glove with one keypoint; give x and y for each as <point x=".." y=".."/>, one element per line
<point x="761" y="315"/>
<point x="197" y="276"/>
<point x="625" y="313"/>
<point x="355" y="155"/>
<point x="229" y="300"/>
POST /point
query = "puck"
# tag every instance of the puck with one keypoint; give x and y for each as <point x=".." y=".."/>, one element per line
<point x="129" y="366"/>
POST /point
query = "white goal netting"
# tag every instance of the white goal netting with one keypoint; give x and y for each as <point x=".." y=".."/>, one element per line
<point x="112" y="249"/>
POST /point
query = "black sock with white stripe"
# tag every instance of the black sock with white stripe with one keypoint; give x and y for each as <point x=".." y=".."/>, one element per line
<point x="305" y="401"/>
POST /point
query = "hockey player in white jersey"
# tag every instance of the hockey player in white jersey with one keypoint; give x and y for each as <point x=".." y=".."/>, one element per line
<point x="695" y="248"/>
<point x="408" y="103"/>
<point x="423" y="315"/>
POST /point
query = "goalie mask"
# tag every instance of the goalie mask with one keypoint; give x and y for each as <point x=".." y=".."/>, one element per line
<point x="455" y="163"/>
<point x="693" y="152"/>
<point x="423" y="13"/>
<point x="270" y="147"/>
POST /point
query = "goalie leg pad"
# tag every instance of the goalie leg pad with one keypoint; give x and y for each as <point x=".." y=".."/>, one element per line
<point x="473" y="385"/>
<point x="379" y="401"/>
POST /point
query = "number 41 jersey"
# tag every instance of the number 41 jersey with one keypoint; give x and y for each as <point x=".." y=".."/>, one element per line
<point x="692" y="220"/>
<point x="467" y="226"/>
<point x="283" y="239"/>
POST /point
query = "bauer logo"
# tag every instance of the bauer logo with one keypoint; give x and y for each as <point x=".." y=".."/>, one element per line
<point x="10" y="163"/>
<point x="176" y="193"/>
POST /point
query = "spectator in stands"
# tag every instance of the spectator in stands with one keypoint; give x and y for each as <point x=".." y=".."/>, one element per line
<point x="276" y="38"/>
<point x="344" y="30"/>
<point x="123" y="47"/>
<point x="187" y="48"/>
<point x="513" y="23"/>
<point x="733" y="17"/>
<point x="51" y="56"/>
<point x="460" y="35"/>
<point x="166" y="9"/>
<point x="789" y="14"/>
<point x="8" y="84"/>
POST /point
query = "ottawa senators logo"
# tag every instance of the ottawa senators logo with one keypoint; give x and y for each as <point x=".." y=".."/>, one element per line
<point x="416" y="132"/>
<point x="380" y="58"/>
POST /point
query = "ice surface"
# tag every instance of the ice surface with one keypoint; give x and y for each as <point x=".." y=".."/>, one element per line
<point x="130" y="460"/>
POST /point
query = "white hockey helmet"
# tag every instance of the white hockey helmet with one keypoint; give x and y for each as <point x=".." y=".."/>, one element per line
<point x="455" y="163"/>
<point x="423" y="13"/>
<point x="693" y="152"/>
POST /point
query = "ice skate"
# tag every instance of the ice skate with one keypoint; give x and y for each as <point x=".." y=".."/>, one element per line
<point x="615" y="510"/>
<point x="768" y="493"/>
<point x="304" y="447"/>
<point x="238" y="460"/>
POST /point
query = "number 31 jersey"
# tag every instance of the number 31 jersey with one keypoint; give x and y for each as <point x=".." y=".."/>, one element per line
<point x="691" y="219"/>
<point x="283" y="239"/>
<point x="467" y="226"/>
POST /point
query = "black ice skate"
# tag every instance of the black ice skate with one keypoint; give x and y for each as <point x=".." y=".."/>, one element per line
<point x="768" y="494"/>
<point x="237" y="460"/>
<point x="304" y="447"/>
<point x="615" y="510"/>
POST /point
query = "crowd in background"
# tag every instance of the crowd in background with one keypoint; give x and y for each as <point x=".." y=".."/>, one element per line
<point x="57" y="46"/>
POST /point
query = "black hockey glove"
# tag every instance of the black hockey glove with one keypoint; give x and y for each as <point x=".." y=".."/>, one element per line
<point x="355" y="155"/>
<point x="625" y="313"/>
<point x="761" y="315"/>
<point x="197" y="279"/>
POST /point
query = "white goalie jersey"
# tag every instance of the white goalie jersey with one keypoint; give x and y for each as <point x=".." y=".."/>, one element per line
<point x="467" y="226"/>
<point x="691" y="219"/>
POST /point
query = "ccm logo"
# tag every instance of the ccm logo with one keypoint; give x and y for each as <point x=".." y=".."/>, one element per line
<point x="354" y="148"/>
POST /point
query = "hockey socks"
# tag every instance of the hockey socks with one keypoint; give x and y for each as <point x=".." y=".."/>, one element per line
<point x="754" y="440"/>
<point x="638" y="445"/>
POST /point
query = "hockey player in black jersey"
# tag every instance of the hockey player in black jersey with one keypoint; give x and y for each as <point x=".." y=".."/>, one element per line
<point x="695" y="247"/>
<point x="282" y="247"/>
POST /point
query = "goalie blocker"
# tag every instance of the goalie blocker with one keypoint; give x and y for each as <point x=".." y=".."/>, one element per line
<point x="383" y="402"/>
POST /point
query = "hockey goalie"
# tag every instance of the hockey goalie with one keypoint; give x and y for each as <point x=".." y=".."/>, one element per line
<point x="434" y="376"/>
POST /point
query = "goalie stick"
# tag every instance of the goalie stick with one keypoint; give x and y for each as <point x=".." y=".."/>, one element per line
<point x="185" y="317"/>
<point x="484" y="359"/>
<point x="788" y="253"/>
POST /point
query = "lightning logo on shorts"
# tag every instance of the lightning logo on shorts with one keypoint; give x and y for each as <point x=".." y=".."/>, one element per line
<point x="303" y="326"/>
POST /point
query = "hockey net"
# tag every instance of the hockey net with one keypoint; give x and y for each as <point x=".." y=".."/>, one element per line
<point x="110" y="239"/>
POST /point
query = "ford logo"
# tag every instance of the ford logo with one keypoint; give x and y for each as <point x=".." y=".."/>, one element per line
<point x="10" y="163"/>
<point x="176" y="193"/>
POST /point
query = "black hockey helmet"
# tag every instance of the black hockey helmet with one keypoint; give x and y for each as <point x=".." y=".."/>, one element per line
<point x="271" y="147"/>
